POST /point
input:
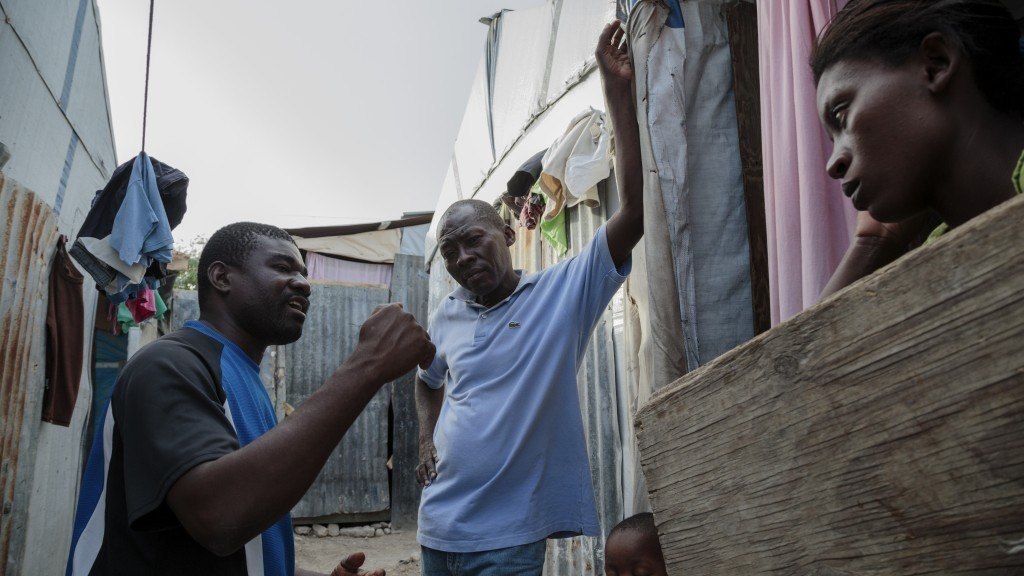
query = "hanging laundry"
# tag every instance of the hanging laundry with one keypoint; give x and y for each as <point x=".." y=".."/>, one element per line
<point x="141" y="232"/>
<point x="532" y="211"/>
<point x="522" y="182"/>
<point x="553" y="231"/>
<point x="577" y="162"/>
<point x="168" y="194"/>
<point x="100" y="249"/>
<point x="65" y="338"/>
<point x="143" y="306"/>
<point x="125" y="317"/>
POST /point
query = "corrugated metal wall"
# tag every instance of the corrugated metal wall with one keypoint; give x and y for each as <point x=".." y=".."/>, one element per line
<point x="355" y="478"/>
<point x="55" y="120"/>
<point x="28" y="233"/>
<point x="409" y="285"/>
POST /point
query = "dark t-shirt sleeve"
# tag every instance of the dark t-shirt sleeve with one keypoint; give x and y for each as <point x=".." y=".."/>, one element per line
<point x="169" y="411"/>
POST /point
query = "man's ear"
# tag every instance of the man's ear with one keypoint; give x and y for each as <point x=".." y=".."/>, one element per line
<point x="942" y="59"/>
<point x="510" y="235"/>
<point x="219" y="276"/>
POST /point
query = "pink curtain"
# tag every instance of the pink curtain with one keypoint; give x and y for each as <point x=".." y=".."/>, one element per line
<point x="810" y="222"/>
<point x="327" y="269"/>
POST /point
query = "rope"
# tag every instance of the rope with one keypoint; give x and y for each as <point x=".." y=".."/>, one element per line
<point x="149" y="49"/>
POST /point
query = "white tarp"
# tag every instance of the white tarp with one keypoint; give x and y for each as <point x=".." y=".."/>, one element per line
<point x="517" y="84"/>
<point x="56" y="120"/>
<point x="544" y="78"/>
<point x="379" y="246"/>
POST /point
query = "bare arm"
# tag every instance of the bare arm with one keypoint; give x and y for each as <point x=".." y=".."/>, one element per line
<point x="626" y="227"/>
<point x="226" y="502"/>
<point x="875" y="245"/>
<point x="428" y="408"/>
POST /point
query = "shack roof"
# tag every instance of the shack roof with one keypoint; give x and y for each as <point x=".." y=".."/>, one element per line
<point x="415" y="219"/>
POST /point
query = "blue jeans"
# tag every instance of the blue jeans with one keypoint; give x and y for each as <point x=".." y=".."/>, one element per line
<point x="525" y="560"/>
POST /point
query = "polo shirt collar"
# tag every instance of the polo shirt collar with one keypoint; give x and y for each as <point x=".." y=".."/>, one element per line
<point x="469" y="298"/>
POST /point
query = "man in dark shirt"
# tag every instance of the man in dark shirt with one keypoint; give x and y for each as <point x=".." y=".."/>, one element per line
<point x="192" y="475"/>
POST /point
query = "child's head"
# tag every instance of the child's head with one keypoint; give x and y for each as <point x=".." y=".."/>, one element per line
<point x="632" y="548"/>
<point x="900" y="83"/>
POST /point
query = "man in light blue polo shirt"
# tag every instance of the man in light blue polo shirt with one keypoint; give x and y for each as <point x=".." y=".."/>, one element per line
<point x="503" y="454"/>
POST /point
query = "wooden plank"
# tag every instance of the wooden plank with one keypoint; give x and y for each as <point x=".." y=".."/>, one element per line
<point x="741" y="18"/>
<point x="878" y="432"/>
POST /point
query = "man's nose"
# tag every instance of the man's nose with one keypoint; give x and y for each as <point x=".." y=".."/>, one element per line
<point x="301" y="283"/>
<point x="464" y="257"/>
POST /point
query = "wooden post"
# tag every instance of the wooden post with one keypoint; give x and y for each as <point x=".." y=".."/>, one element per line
<point x="741" y="18"/>
<point x="879" y="432"/>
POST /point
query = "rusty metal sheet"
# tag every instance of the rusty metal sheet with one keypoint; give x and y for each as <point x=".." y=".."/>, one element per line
<point x="28" y="233"/>
<point x="355" y="477"/>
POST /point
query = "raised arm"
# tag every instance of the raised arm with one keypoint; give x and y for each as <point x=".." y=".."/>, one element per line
<point x="226" y="502"/>
<point x="626" y="227"/>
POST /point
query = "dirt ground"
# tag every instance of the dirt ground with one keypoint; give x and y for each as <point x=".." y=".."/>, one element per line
<point x="387" y="552"/>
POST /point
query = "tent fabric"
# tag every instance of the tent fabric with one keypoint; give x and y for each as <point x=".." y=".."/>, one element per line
<point x="538" y="87"/>
<point x="379" y="246"/>
<point x="658" y="340"/>
<point x="517" y="84"/>
<point x="326" y="269"/>
<point x="691" y="155"/>
<point x="809" y="221"/>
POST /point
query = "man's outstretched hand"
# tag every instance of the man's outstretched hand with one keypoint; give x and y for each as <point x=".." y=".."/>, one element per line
<point x="351" y="566"/>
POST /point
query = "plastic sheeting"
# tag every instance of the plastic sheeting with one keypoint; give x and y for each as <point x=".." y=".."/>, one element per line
<point x="692" y="139"/>
<point x="543" y="78"/>
<point x="326" y="269"/>
<point x="379" y="246"/>
<point x="517" y="84"/>
<point x="809" y="221"/>
<point x="57" y="122"/>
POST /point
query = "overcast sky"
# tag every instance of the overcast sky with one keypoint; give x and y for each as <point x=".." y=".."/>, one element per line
<point x="301" y="113"/>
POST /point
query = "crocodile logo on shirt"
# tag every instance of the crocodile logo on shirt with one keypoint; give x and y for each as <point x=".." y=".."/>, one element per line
<point x="514" y="324"/>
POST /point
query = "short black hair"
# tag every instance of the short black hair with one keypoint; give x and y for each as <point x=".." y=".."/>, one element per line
<point x="481" y="209"/>
<point x="232" y="245"/>
<point x="890" y="30"/>
<point x="641" y="524"/>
